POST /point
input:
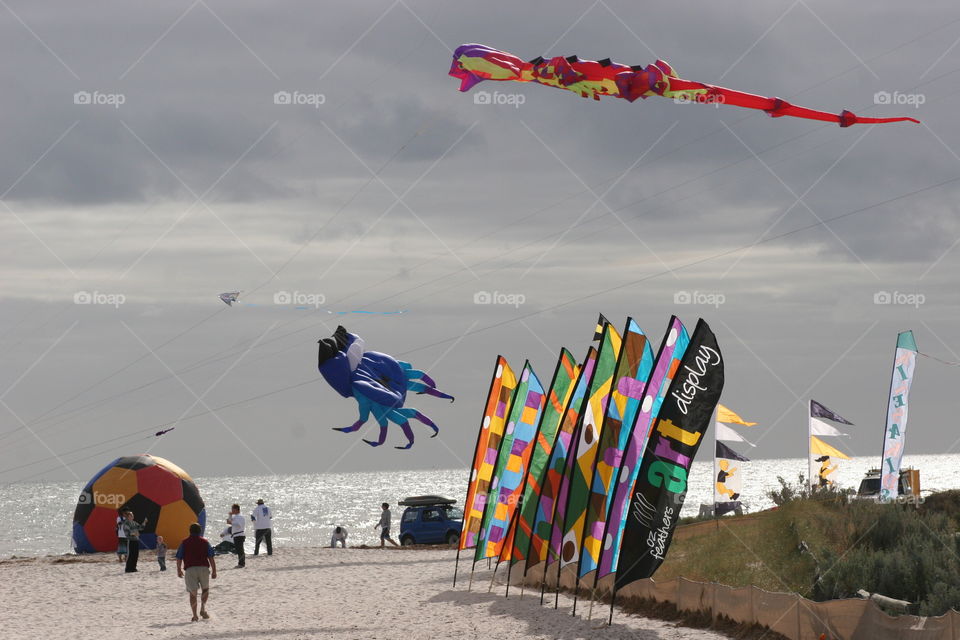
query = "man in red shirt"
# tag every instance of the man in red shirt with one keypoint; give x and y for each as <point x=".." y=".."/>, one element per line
<point x="194" y="563"/>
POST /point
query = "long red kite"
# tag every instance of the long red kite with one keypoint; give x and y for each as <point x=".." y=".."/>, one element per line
<point x="473" y="63"/>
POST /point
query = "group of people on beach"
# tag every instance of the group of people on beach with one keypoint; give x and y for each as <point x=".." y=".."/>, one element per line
<point x="196" y="557"/>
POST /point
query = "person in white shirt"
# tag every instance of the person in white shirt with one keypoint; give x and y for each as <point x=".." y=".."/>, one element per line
<point x="238" y="525"/>
<point x="339" y="535"/>
<point x="262" y="518"/>
<point x="226" y="539"/>
<point x="121" y="538"/>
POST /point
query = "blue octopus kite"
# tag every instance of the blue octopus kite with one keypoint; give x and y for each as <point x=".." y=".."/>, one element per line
<point x="378" y="382"/>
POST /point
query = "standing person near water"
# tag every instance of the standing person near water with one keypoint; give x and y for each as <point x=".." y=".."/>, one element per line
<point x="263" y="527"/>
<point x="237" y="526"/>
<point x="384" y="525"/>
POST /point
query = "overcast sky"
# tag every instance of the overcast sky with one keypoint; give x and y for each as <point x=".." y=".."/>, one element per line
<point x="145" y="162"/>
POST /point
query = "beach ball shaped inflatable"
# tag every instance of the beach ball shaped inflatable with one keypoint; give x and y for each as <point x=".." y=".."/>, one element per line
<point x="153" y="488"/>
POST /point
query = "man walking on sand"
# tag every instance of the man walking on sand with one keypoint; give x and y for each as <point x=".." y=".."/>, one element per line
<point x="384" y="525"/>
<point x="237" y="525"/>
<point x="263" y="525"/>
<point x="194" y="563"/>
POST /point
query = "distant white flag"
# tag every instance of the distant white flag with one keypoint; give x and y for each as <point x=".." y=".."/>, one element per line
<point x="726" y="433"/>
<point x="820" y="428"/>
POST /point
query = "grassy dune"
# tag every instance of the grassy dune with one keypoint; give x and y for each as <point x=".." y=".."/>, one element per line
<point x="901" y="551"/>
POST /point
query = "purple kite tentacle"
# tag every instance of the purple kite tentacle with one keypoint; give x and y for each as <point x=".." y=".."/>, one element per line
<point x="427" y="421"/>
<point x="407" y="431"/>
<point x="428" y="380"/>
<point x="355" y="426"/>
<point x="383" y="436"/>
<point x="437" y="394"/>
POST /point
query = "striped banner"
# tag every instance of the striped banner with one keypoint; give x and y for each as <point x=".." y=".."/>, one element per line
<point x="514" y="455"/>
<point x="485" y="454"/>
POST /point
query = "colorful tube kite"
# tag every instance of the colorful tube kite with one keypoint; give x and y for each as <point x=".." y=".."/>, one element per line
<point x="378" y="382"/>
<point x="473" y="63"/>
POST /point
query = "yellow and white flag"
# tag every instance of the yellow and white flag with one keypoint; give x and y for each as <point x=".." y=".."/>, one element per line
<point x="725" y="415"/>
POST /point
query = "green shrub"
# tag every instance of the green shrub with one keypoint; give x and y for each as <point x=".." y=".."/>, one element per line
<point x="897" y="551"/>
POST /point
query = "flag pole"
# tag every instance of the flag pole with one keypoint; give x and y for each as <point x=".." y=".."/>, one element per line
<point x="613" y="599"/>
<point x="810" y="445"/>
<point x="456" y="566"/>
<point x="490" y="588"/>
<point x="713" y="471"/>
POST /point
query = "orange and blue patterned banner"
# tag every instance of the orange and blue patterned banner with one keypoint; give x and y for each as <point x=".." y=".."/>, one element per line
<point x="512" y="461"/>
<point x="485" y="455"/>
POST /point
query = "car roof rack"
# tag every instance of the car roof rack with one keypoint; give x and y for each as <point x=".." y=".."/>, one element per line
<point x="425" y="501"/>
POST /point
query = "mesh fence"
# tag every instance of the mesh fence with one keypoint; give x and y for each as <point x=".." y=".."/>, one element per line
<point x="786" y="613"/>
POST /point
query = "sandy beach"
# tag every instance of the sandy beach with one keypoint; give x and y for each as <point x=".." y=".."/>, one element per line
<point x="296" y="593"/>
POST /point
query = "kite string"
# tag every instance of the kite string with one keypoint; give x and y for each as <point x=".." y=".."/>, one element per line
<point x="418" y="133"/>
<point x="946" y="362"/>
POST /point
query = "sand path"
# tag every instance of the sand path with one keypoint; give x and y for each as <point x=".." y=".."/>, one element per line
<point x="296" y="593"/>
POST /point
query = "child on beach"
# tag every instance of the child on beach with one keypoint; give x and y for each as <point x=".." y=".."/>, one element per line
<point x="161" y="553"/>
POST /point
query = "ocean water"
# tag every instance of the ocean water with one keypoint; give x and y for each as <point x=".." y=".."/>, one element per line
<point x="37" y="517"/>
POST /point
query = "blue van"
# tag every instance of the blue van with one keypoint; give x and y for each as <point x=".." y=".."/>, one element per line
<point x="430" y="520"/>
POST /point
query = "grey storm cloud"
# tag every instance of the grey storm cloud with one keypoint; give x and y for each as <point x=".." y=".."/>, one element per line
<point x="379" y="187"/>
